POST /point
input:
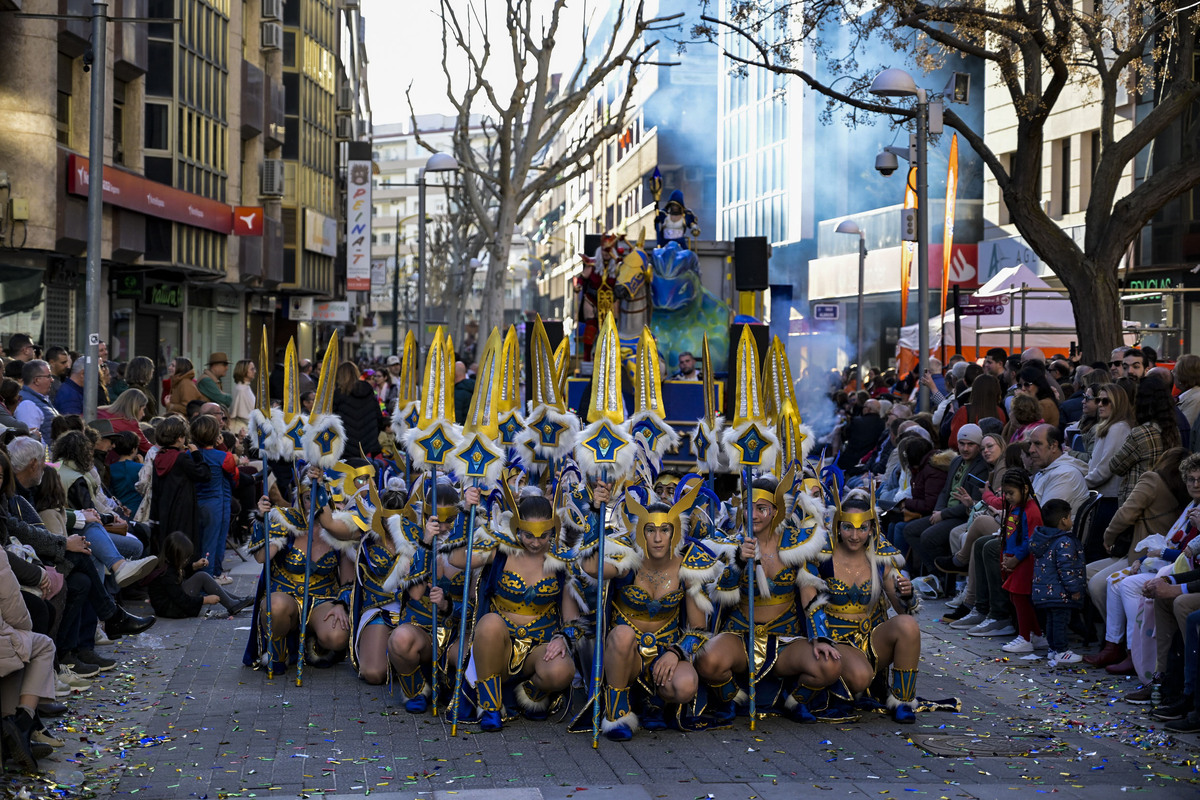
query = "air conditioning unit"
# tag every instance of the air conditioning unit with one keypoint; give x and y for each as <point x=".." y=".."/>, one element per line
<point x="361" y="129"/>
<point x="272" y="9"/>
<point x="345" y="97"/>
<point x="272" y="36"/>
<point x="272" y="178"/>
<point x="345" y="127"/>
<point x="349" y="3"/>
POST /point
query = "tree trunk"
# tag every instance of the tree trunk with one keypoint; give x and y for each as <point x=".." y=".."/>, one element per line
<point x="491" y="314"/>
<point x="1096" y="304"/>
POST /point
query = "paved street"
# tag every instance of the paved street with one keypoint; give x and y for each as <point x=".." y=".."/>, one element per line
<point x="182" y="718"/>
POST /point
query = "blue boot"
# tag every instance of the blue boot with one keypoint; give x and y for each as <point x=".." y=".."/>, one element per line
<point x="900" y="699"/>
<point x="797" y="704"/>
<point x="535" y="704"/>
<point x="488" y="690"/>
<point x="652" y="715"/>
<point x="721" y="703"/>
<point x="415" y="691"/>
<point x="619" y="723"/>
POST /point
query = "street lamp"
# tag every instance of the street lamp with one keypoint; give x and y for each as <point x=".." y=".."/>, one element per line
<point x="438" y="162"/>
<point x="898" y="83"/>
<point x="851" y="227"/>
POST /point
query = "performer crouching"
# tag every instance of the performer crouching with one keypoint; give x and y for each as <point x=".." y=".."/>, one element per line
<point x="794" y="654"/>
<point x="520" y="635"/>
<point x="862" y="572"/>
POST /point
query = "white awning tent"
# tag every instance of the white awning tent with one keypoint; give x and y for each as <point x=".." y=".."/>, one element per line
<point x="1048" y="319"/>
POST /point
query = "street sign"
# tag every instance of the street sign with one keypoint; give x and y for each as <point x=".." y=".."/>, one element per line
<point x="827" y="312"/>
<point x="981" y="309"/>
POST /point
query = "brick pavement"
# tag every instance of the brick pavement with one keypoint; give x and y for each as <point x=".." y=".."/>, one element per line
<point x="182" y="718"/>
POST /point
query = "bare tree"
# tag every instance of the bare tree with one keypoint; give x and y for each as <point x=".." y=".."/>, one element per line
<point x="454" y="241"/>
<point x="1038" y="51"/>
<point x="505" y="177"/>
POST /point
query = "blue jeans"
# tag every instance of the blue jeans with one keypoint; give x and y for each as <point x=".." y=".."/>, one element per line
<point x="214" y="530"/>
<point x="127" y="545"/>
<point x="1056" y="628"/>
<point x="104" y="549"/>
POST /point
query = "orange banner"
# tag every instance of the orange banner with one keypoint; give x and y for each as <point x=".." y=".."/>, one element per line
<point x="909" y="249"/>
<point x="948" y="230"/>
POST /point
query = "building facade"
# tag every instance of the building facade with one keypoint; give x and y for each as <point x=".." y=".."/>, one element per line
<point x="202" y="188"/>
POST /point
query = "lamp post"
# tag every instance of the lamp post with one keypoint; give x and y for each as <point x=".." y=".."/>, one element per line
<point x="438" y="162"/>
<point x="396" y="291"/>
<point x="898" y="83"/>
<point x="851" y="227"/>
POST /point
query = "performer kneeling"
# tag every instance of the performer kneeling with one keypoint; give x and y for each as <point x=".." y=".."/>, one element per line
<point x="793" y="655"/>
<point x="520" y="635"/>
<point x="862" y="572"/>
<point x="657" y="618"/>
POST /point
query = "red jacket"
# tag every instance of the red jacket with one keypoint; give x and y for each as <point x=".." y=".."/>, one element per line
<point x="121" y="424"/>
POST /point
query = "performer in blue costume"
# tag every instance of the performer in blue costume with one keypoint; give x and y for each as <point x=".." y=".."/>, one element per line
<point x="862" y="578"/>
<point x="527" y="623"/>
<point x="793" y="649"/>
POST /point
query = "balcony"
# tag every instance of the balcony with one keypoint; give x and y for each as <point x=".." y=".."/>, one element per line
<point x="130" y="58"/>
<point x="253" y="94"/>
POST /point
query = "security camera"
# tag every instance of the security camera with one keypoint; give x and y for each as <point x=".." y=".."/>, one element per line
<point x="886" y="163"/>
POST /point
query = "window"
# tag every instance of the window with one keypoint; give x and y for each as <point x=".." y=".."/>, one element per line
<point x="1064" y="175"/>
<point x="160" y="81"/>
<point x="157" y="127"/>
<point x="118" y="121"/>
<point x="66" y="79"/>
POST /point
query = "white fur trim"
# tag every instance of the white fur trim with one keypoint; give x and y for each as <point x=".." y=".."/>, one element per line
<point x="730" y="435"/>
<point x="626" y="559"/>
<point x="280" y="542"/>
<point x="806" y="578"/>
<point x="272" y="442"/>
<point x="809" y="443"/>
<point x="312" y="451"/>
<point x="347" y="547"/>
<point x="894" y="702"/>
<point x="452" y="432"/>
<point x="285" y="451"/>
<point x="762" y="583"/>
<point x="526" y="702"/>
<point x="630" y="719"/>
<point x="695" y="590"/>
<point x="668" y="441"/>
<point x="624" y="455"/>
<point x="279" y="517"/>
<point x="531" y="437"/>
<point x="727" y="597"/>
<point x="398" y="414"/>
<point x="491" y="475"/>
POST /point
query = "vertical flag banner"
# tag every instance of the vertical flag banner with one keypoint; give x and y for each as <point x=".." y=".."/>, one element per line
<point x="908" y="250"/>
<point x="948" y="230"/>
<point x="358" y="226"/>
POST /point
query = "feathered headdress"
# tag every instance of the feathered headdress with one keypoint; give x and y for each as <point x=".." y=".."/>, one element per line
<point x="550" y="430"/>
<point x="647" y="423"/>
<point x="750" y="439"/>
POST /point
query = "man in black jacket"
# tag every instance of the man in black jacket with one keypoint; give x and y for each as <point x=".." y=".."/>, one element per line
<point x="929" y="537"/>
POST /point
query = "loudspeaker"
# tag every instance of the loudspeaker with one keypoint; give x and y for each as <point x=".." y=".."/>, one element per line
<point x="761" y="334"/>
<point x="750" y="256"/>
<point x="554" y="332"/>
<point x="591" y="243"/>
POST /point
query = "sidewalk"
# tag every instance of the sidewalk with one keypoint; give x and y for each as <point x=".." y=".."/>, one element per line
<point x="182" y="718"/>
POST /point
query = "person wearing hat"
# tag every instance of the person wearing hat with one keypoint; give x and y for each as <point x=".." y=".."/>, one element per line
<point x="393" y="382"/>
<point x="929" y="537"/>
<point x="210" y="382"/>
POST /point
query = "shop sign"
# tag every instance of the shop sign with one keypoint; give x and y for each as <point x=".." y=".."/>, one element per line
<point x="300" y="309"/>
<point x="126" y="190"/>
<point x="358" y="226"/>
<point x="320" y="233"/>
<point x="129" y="285"/>
<point x="247" y="220"/>
<point x="331" y="311"/>
<point x="168" y="295"/>
<point x="226" y="298"/>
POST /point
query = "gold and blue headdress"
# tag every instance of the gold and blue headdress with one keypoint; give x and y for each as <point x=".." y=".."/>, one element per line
<point x="605" y="447"/>
<point x="706" y="438"/>
<point x="884" y="557"/>
<point x="267" y="434"/>
<point x="479" y="458"/>
<point x="750" y="439"/>
<point x="291" y="416"/>
<point x="550" y="430"/>
<point x="647" y="423"/>
<point x="512" y="421"/>
<point x="436" y="435"/>
<point x="324" y="436"/>
<point x="796" y="439"/>
<point x="406" y="410"/>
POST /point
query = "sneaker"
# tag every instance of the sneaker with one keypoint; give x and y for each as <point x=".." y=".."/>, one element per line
<point x="81" y="667"/>
<point x="224" y="580"/>
<point x="73" y="679"/>
<point x="1068" y="657"/>
<point x="92" y="657"/>
<point x="1172" y="711"/>
<point x="948" y="565"/>
<point x="1039" y="642"/>
<point x="241" y="605"/>
<point x="134" y="571"/>
<point x="44" y="736"/>
<point x="61" y="687"/>
<point x="1141" y="697"/>
<point x="1018" y="645"/>
<point x="957" y="601"/>
<point x="969" y="621"/>
<point x="101" y="636"/>
<point x="993" y="627"/>
<point x="1190" y="724"/>
<point x="955" y="615"/>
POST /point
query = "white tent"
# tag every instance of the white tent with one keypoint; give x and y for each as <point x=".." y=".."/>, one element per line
<point x="1050" y="316"/>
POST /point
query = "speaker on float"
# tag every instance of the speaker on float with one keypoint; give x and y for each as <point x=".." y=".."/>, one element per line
<point x="591" y="243"/>
<point x="554" y="332"/>
<point x="750" y="256"/>
<point x="761" y="334"/>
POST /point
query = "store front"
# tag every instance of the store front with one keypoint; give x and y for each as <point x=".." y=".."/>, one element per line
<point x="147" y="319"/>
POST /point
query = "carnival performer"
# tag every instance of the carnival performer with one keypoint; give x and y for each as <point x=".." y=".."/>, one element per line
<point x="526" y="623"/>
<point x="794" y="655"/>
<point x="332" y="566"/>
<point x="657" y="618"/>
<point x="862" y="574"/>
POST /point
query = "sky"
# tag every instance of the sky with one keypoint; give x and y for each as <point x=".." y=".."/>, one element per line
<point x="404" y="48"/>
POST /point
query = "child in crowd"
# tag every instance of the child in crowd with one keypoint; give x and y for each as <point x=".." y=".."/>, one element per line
<point x="179" y="588"/>
<point x="1022" y="516"/>
<point x="125" y="469"/>
<point x="178" y="467"/>
<point x="215" y="496"/>
<point x="1058" y="577"/>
